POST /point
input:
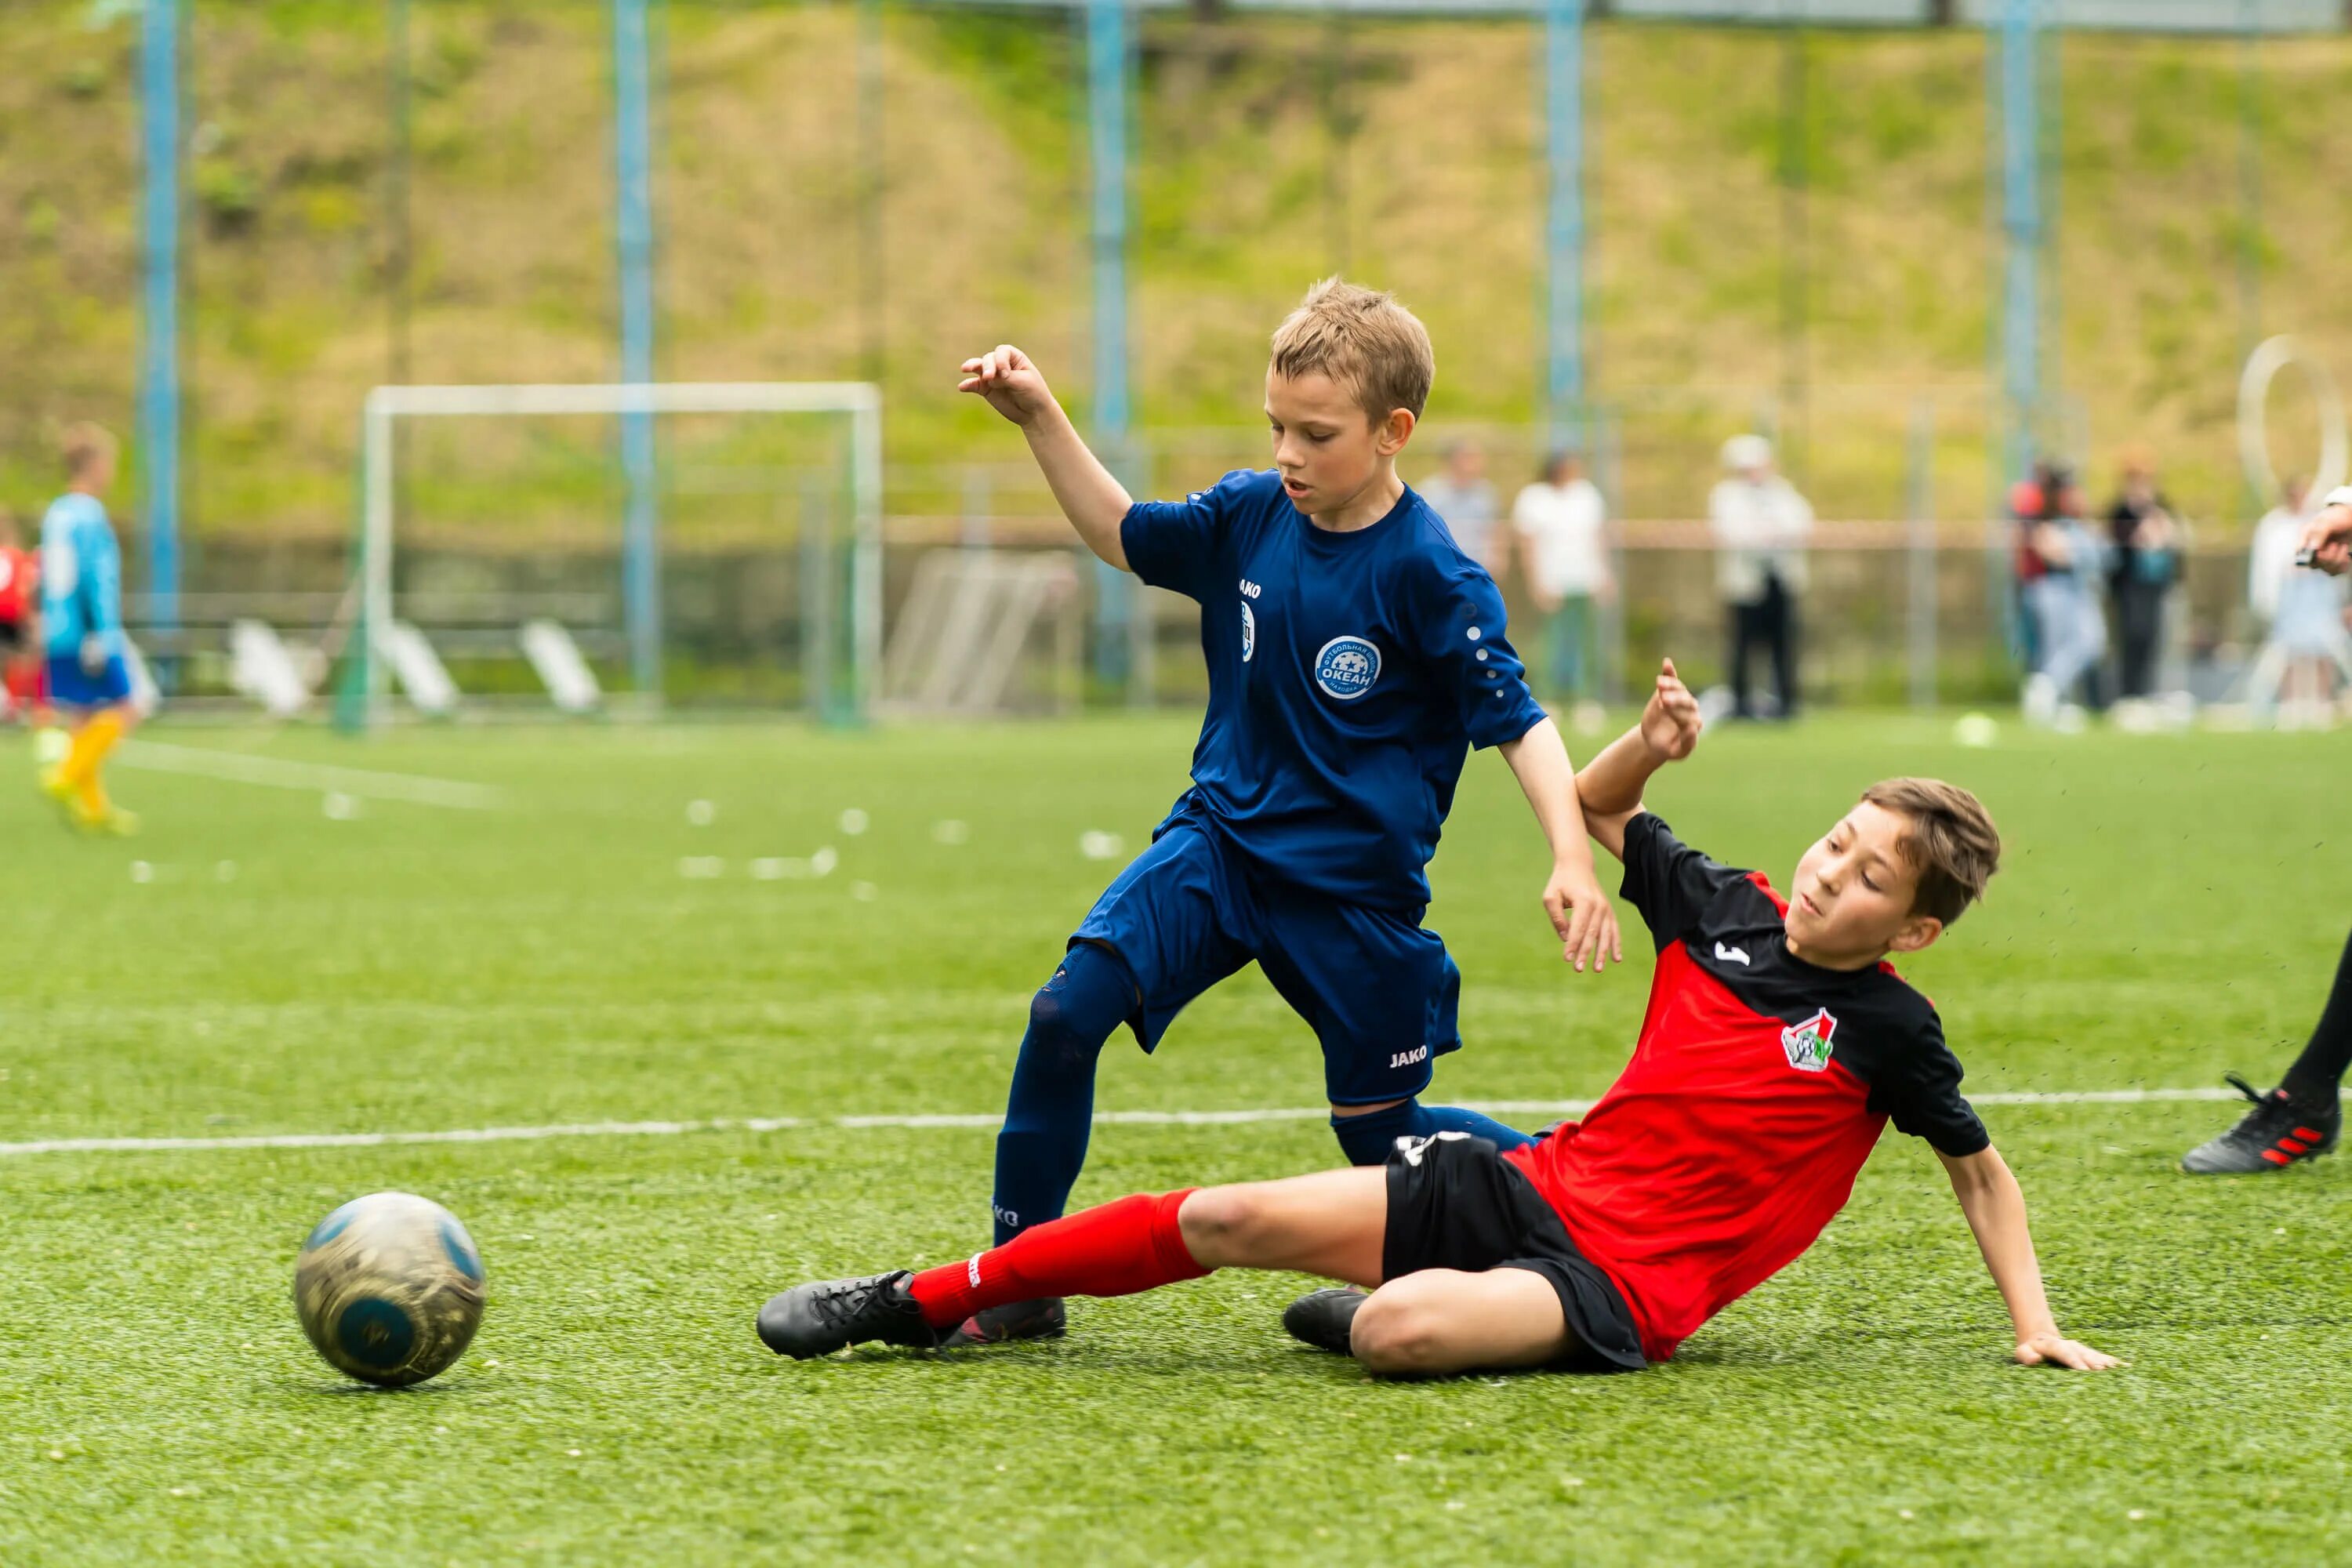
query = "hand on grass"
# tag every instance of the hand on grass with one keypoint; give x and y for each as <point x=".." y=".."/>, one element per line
<point x="1010" y="381"/>
<point x="2054" y="1349"/>
<point x="2328" y="537"/>
<point x="1582" y="915"/>
<point x="1671" y="723"/>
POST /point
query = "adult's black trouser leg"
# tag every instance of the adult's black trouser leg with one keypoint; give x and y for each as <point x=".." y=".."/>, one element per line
<point x="1779" y="610"/>
<point x="2317" y="1076"/>
<point x="2139" y="622"/>
<point x="1743" y="628"/>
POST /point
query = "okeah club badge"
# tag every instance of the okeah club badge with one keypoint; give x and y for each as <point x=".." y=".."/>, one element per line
<point x="1345" y="667"/>
<point x="1808" y="1044"/>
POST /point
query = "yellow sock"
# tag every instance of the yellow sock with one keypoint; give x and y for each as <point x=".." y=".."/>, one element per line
<point x="83" y="761"/>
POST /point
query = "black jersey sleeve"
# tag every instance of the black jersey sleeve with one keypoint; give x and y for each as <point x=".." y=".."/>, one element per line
<point x="1670" y="882"/>
<point x="1923" y="1097"/>
<point x="1173" y="543"/>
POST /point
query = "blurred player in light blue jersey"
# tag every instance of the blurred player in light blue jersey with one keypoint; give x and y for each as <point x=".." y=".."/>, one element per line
<point x="81" y="627"/>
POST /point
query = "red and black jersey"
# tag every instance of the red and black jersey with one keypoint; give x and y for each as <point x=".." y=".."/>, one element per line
<point x="1758" y="1087"/>
<point x="20" y="585"/>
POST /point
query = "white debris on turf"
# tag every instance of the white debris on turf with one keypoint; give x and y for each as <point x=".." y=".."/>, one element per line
<point x="701" y="868"/>
<point x="701" y="813"/>
<point x="1977" y="730"/>
<point x="950" y="831"/>
<point x="822" y="863"/>
<point x="863" y="892"/>
<point x="1096" y="845"/>
<point x="854" y="822"/>
<point x="339" y="807"/>
<point x="141" y="872"/>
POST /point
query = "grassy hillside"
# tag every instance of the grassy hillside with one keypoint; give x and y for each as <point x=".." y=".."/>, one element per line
<point x="1269" y="151"/>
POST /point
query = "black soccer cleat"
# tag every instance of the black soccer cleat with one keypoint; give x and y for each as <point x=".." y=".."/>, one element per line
<point x="819" y="1319"/>
<point x="2278" y="1132"/>
<point x="1044" y="1319"/>
<point x="1324" y="1319"/>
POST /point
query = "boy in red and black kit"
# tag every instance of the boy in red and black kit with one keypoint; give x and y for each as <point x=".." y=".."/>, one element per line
<point x="20" y="645"/>
<point x="1777" y="1045"/>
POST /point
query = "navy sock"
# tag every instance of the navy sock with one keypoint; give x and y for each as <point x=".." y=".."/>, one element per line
<point x="1050" y="1110"/>
<point x="1366" y="1139"/>
<point x="1456" y="1119"/>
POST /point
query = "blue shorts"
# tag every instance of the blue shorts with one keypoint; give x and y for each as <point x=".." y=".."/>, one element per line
<point x="1380" y="992"/>
<point x="71" y="686"/>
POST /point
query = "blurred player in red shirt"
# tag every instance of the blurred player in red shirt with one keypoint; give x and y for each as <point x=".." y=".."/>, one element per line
<point x="20" y="642"/>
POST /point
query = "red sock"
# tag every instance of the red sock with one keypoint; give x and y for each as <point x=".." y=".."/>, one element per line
<point x="1117" y="1249"/>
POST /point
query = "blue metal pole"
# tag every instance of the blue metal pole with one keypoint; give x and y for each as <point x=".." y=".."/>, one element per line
<point x="159" y="358"/>
<point x="634" y="228"/>
<point x="1106" y="70"/>
<point x="2022" y="231"/>
<point x="1564" y="233"/>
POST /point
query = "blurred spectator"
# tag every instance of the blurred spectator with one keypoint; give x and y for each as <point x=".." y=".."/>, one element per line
<point x="1463" y="496"/>
<point x="1761" y="525"/>
<point x="1561" y="520"/>
<point x="2141" y="565"/>
<point x="2058" y="565"/>
<point x="2307" y="646"/>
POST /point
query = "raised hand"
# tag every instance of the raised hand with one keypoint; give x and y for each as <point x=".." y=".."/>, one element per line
<point x="2326" y="537"/>
<point x="1010" y="381"/>
<point x="1671" y="721"/>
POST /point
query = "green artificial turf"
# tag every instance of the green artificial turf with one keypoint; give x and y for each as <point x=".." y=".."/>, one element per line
<point x="2172" y="907"/>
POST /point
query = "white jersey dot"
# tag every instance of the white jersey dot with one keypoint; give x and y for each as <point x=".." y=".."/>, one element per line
<point x="1474" y="634"/>
<point x="1482" y="656"/>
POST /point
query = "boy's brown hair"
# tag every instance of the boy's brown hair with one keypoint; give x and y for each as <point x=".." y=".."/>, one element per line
<point x="1362" y="338"/>
<point x="1951" y="842"/>
<point x="82" y="443"/>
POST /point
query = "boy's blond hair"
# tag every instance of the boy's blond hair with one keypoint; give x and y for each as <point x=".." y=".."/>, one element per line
<point x="82" y="445"/>
<point x="1362" y="338"/>
<point x="1951" y="842"/>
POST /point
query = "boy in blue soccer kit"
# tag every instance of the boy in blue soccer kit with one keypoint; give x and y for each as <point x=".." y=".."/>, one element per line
<point x="81" y="633"/>
<point x="1355" y="655"/>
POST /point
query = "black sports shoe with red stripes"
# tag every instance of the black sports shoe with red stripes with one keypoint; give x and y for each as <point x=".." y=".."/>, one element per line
<point x="2277" y="1134"/>
<point x="1044" y="1319"/>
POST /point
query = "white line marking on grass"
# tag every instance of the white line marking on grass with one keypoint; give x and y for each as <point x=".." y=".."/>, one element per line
<point x="367" y="784"/>
<point x="978" y="1123"/>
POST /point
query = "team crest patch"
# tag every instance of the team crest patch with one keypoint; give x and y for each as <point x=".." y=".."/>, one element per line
<point x="1249" y="631"/>
<point x="1345" y="667"/>
<point x="1808" y="1044"/>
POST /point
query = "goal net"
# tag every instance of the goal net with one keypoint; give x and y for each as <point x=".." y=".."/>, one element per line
<point x="620" y="546"/>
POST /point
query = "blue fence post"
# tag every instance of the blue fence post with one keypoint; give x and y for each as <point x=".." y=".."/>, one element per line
<point x="1564" y="231"/>
<point x="159" y="357"/>
<point x="634" y="230"/>
<point x="2019" y="62"/>
<point x="1107" y="74"/>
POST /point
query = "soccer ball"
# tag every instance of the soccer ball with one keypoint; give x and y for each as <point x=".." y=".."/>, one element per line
<point x="389" y="1288"/>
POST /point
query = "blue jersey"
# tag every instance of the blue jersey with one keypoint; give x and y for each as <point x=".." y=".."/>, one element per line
<point x="81" y="577"/>
<point x="1348" y="674"/>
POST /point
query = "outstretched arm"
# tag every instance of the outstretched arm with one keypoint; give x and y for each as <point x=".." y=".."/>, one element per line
<point x="1572" y="898"/>
<point x="1095" y="502"/>
<point x="1611" y="784"/>
<point x="1995" y="1208"/>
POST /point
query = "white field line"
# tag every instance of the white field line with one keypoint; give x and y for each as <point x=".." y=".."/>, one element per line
<point x="787" y="1123"/>
<point x="367" y="783"/>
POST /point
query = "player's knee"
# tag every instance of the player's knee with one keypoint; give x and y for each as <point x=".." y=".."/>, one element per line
<point x="1220" y="1224"/>
<point x="1395" y="1335"/>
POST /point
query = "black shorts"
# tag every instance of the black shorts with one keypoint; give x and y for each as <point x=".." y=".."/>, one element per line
<point x="1455" y="1203"/>
<point x="14" y="644"/>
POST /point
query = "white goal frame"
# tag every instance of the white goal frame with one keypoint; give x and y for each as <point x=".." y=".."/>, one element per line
<point x="860" y="401"/>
